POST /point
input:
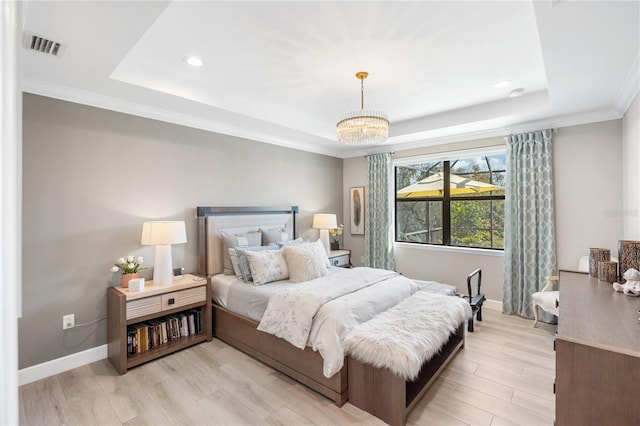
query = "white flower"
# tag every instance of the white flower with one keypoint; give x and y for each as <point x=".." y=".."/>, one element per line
<point x="131" y="265"/>
<point x="336" y="231"/>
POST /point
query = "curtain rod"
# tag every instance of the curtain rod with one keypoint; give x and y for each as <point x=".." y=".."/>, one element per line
<point x="553" y="129"/>
<point x="369" y="155"/>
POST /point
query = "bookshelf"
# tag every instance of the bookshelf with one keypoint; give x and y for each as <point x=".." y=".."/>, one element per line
<point x="147" y="310"/>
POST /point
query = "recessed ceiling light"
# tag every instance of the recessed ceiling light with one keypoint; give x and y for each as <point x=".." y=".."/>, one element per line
<point x="516" y="92"/>
<point x="194" y="61"/>
<point x="503" y="83"/>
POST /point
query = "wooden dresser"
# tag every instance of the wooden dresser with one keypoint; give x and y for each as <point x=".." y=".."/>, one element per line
<point x="597" y="354"/>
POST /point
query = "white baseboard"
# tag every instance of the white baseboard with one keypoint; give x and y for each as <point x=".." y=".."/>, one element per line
<point x="60" y="365"/>
<point x="493" y="305"/>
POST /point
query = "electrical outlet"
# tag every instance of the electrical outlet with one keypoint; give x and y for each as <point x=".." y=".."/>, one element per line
<point x="362" y="259"/>
<point x="68" y="321"/>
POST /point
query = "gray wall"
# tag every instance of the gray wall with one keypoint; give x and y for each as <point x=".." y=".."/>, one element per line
<point x="355" y="174"/>
<point x="588" y="178"/>
<point x="631" y="171"/>
<point x="588" y="185"/>
<point x="92" y="177"/>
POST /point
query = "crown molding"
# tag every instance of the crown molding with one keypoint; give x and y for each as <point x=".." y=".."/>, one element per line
<point x="141" y="110"/>
<point x="629" y="89"/>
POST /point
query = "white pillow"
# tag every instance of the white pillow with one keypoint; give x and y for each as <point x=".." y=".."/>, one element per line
<point x="321" y="253"/>
<point x="267" y="266"/>
<point x="304" y="263"/>
<point x="241" y="263"/>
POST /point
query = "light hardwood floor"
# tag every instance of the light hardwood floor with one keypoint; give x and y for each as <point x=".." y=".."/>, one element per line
<point x="503" y="376"/>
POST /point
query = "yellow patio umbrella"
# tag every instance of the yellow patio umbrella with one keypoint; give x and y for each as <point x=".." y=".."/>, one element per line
<point x="433" y="186"/>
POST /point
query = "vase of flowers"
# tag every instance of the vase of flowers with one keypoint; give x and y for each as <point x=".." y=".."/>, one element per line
<point x="335" y="233"/>
<point x="129" y="268"/>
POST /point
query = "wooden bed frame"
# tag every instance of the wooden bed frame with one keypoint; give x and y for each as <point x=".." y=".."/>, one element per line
<point x="389" y="397"/>
<point x="241" y="332"/>
<point x="304" y="366"/>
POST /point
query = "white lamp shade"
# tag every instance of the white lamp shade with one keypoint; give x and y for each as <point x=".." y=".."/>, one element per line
<point x="325" y="221"/>
<point x="163" y="232"/>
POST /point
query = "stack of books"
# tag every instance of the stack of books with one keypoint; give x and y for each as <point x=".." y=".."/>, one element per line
<point x="147" y="335"/>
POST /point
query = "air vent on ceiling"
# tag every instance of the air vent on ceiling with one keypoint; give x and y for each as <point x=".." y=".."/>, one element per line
<point x="40" y="44"/>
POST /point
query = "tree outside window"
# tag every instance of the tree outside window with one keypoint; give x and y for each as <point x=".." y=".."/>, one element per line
<point x="454" y="203"/>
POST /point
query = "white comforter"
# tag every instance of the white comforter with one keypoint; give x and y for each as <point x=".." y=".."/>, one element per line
<point x="321" y="312"/>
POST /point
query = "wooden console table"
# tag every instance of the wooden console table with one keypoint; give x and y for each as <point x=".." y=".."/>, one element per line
<point x="597" y="354"/>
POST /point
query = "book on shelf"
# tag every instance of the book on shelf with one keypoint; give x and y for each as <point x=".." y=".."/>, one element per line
<point x="192" y="323"/>
<point x="164" y="332"/>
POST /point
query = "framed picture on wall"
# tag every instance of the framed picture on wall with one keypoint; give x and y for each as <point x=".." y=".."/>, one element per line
<point x="356" y="210"/>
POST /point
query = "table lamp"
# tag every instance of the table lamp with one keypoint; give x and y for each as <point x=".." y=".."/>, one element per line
<point x="162" y="234"/>
<point x="324" y="222"/>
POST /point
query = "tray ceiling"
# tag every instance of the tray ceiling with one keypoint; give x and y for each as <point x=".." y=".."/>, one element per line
<point x="282" y="72"/>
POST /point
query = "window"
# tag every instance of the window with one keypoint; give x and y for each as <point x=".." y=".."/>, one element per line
<point x="453" y="202"/>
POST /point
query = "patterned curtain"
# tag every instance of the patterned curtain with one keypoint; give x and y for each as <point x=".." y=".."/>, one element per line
<point x="378" y="246"/>
<point x="530" y="245"/>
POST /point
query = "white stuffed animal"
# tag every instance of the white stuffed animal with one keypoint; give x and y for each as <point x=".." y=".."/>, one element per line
<point x="632" y="286"/>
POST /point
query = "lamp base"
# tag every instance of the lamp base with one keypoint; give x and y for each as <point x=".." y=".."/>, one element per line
<point x="324" y="237"/>
<point x="163" y="267"/>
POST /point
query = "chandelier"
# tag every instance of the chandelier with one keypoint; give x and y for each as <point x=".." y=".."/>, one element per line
<point x="363" y="126"/>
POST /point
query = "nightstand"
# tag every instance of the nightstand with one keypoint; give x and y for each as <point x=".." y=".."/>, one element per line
<point x="161" y="319"/>
<point x="341" y="258"/>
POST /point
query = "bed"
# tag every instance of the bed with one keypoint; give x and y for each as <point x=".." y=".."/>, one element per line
<point x="324" y="370"/>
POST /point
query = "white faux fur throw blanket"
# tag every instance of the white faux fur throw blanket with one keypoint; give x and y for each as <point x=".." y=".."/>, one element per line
<point x="402" y="338"/>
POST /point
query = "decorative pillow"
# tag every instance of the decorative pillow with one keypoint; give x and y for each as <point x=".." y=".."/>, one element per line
<point x="321" y="253"/>
<point x="274" y="236"/>
<point x="241" y="262"/>
<point x="267" y="266"/>
<point x="292" y="242"/>
<point x="234" y="263"/>
<point x="303" y="262"/>
<point x="247" y="239"/>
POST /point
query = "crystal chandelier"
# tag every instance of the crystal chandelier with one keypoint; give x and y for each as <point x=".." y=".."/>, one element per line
<point x="363" y="126"/>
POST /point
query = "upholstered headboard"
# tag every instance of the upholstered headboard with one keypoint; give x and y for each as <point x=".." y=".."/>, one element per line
<point x="234" y="220"/>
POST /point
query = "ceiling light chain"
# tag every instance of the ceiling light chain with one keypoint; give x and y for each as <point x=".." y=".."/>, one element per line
<point x="362" y="75"/>
<point x="363" y="127"/>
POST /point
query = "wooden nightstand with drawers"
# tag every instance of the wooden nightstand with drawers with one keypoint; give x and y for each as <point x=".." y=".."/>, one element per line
<point x="341" y="258"/>
<point x="157" y="321"/>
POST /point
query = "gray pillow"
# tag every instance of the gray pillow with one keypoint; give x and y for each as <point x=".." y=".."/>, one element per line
<point x="247" y="239"/>
<point x="292" y="242"/>
<point x="274" y="236"/>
